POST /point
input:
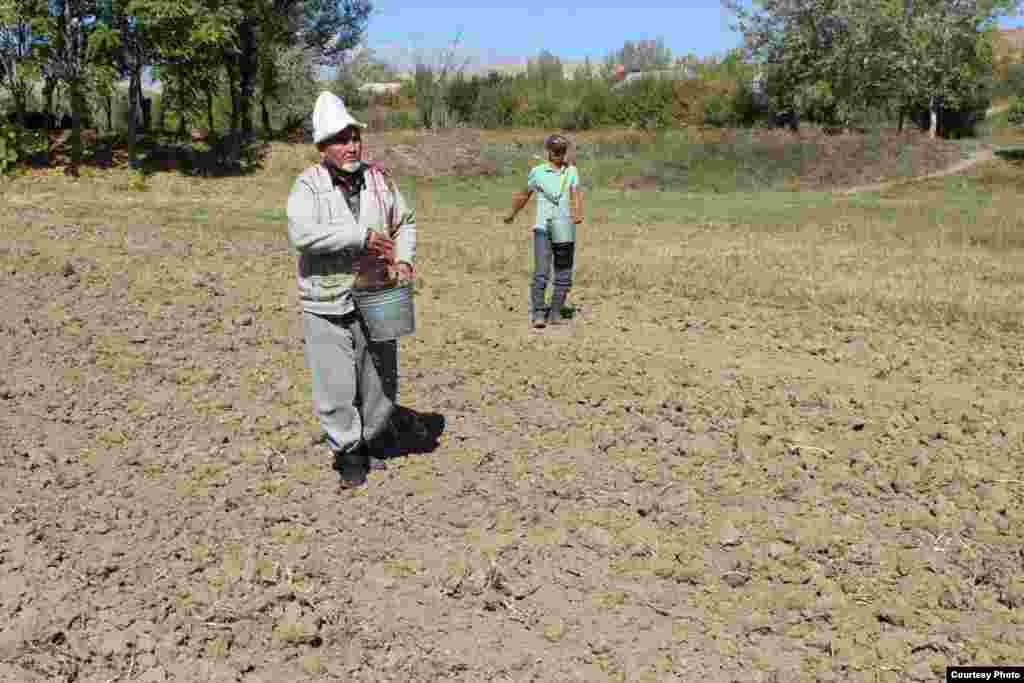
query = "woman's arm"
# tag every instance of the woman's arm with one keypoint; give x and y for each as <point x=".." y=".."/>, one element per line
<point x="518" y="202"/>
<point x="576" y="202"/>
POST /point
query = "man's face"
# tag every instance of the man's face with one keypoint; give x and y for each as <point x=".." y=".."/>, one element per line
<point x="344" y="150"/>
<point x="556" y="155"/>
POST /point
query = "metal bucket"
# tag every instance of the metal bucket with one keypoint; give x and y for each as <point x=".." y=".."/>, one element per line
<point x="561" y="229"/>
<point x="388" y="313"/>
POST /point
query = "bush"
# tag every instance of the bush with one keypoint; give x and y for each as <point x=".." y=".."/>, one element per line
<point x="575" y="117"/>
<point x="1012" y="85"/>
<point x="539" y="112"/>
<point x="462" y="96"/>
<point x="595" y="109"/>
<point x="8" y="148"/>
<point x="348" y="90"/>
<point x="731" y="106"/>
<point x="648" y="103"/>
<point x="495" y="106"/>
<point x="1015" y="114"/>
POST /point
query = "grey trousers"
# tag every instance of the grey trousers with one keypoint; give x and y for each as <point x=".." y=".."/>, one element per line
<point x="355" y="381"/>
<point x="547" y="257"/>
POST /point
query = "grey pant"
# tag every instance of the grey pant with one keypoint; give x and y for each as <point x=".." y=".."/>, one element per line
<point x="355" y="381"/>
<point x="547" y="257"/>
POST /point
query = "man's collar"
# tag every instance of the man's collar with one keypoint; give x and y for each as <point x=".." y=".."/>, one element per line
<point x="349" y="182"/>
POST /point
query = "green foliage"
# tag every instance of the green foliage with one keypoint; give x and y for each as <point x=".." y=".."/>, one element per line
<point x="734" y="108"/>
<point x="399" y="120"/>
<point x="1015" y="114"/>
<point x="462" y="96"/>
<point x="496" y="104"/>
<point x="1012" y="84"/>
<point x="546" y="68"/>
<point x="647" y="103"/>
<point x="541" y="111"/>
<point x="8" y="148"/>
<point x="347" y="88"/>
<point x="833" y="61"/>
<point x="643" y="55"/>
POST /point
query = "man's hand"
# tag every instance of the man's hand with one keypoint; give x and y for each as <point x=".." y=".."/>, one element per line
<point x="405" y="270"/>
<point x="380" y="246"/>
<point x="577" y="219"/>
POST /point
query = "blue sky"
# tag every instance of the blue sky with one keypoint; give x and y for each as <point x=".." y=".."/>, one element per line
<point x="402" y="29"/>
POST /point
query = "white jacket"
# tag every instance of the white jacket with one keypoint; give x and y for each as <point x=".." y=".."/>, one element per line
<point x="329" y="240"/>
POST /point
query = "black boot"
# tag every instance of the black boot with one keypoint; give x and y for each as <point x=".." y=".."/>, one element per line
<point x="351" y="468"/>
<point x="555" y="315"/>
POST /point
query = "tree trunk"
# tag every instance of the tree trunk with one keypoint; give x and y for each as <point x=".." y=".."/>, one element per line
<point x="933" y="124"/>
<point x="18" y="94"/>
<point x="132" y="120"/>
<point x="266" y="117"/>
<point x="899" y="129"/>
<point x="181" y="105"/>
<point x="49" y="86"/>
<point x="209" y="109"/>
<point x="77" y="104"/>
<point x="247" y="65"/>
<point x="232" y="73"/>
<point x="19" y="115"/>
<point x="110" y="114"/>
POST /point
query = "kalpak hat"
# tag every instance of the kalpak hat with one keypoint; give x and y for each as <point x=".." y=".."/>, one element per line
<point x="330" y="117"/>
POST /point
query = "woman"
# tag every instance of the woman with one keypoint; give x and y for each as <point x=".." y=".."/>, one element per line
<point x="559" y="210"/>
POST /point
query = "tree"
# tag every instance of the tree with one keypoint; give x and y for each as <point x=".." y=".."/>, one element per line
<point x="188" y="40"/>
<point x="118" y="49"/>
<point x="546" y="68"/>
<point x="947" y="59"/>
<point x="431" y="79"/>
<point x="67" y="29"/>
<point x="584" y="73"/>
<point x="19" y="48"/>
<point x="832" y="59"/>
<point x="290" y="83"/>
<point x="643" y="55"/>
<point x="359" y="66"/>
<point x="326" y="27"/>
<point x="330" y="28"/>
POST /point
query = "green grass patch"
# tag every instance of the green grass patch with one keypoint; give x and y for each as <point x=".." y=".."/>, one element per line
<point x="276" y="216"/>
<point x="965" y="203"/>
<point x="746" y="160"/>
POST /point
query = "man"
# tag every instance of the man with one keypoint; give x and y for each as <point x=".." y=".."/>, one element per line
<point x="347" y="219"/>
<point x="559" y="199"/>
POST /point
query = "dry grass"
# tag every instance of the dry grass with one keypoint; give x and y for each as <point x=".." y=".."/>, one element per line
<point x="942" y="250"/>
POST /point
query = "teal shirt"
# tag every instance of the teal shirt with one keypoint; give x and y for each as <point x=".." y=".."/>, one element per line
<point x="552" y="187"/>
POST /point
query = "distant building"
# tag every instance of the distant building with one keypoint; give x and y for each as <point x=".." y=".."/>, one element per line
<point x="1014" y="37"/>
<point x="380" y="88"/>
<point x="623" y="78"/>
<point x="759" y="88"/>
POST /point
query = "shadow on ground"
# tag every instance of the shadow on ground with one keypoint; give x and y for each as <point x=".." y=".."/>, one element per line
<point x="221" y="157"/>
<point x="213" y="157"/>
<point x="415" y="433"/>
<point x="412" y="433"/>
<point x="1013" y="155"/>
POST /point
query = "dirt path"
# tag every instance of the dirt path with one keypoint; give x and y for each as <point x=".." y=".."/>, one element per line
<point x="978" y="157"/>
